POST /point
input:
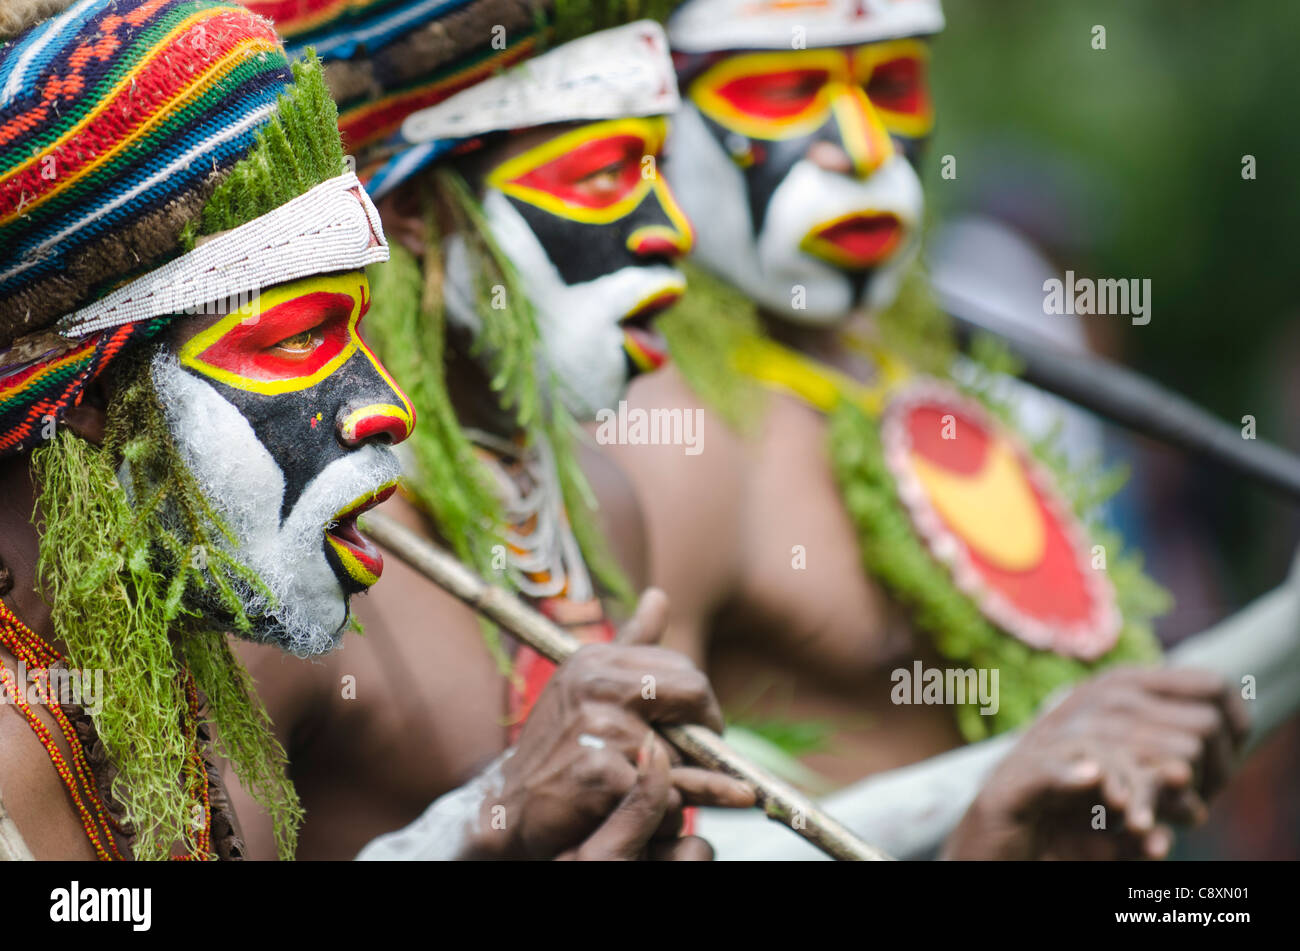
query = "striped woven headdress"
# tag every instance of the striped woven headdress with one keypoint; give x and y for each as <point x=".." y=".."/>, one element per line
<point x="411" y="76"/>
<point x="128" y="129"/>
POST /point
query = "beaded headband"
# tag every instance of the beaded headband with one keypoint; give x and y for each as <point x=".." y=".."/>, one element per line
<point x="705" y="26"/>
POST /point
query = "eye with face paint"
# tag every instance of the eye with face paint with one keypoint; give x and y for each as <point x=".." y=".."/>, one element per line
<point x="593" y="229"/>
<point x="285" y="418"/>
<point x="803" y="163"/>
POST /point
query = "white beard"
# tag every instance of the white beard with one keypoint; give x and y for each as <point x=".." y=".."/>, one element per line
<point x="770" y="267"/>
<point x="245" y="486"/>
<point x="578" y="324"/>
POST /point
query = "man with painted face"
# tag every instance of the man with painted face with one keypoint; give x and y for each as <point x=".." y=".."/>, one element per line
<point x="187" y="407"/>
<point x="189" y="421"/>
<point x="534" y="243"/>
<point x="839" y="439"/>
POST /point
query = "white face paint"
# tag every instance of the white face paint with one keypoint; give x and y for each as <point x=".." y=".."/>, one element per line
<point x="580" y="325"/>
<point x="772" y="267"/>
<point x="246" y="487"/>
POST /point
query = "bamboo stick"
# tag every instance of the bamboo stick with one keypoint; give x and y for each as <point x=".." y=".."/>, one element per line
<point x="780" y="801"/>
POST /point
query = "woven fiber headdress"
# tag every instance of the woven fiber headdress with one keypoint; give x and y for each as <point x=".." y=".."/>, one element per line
<point x="416" y="79"/>
<point x="155" y="156"/>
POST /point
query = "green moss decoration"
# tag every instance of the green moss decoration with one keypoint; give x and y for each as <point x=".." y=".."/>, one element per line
<point x="714" y="318"/>
<point x="298" y="149"/>
<point x="125" y="581"/>
<point x="575" y="18"/>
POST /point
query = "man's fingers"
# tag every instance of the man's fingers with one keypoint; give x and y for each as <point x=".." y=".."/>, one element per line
<point x="1037" y="780"/>
<point x="659" y="685"/>
<point x="1181" y="683"/>
<point x="1183" y="806"/>
<point x="1199" y="717"/>
<point x="648" y="621"/>
<point x="702" y="787"/>
<point x="1144" y="790"/>
<point x="627" y="830"/>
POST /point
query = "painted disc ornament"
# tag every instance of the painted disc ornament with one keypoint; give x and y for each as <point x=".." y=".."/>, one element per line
<point x="995" y="518"/>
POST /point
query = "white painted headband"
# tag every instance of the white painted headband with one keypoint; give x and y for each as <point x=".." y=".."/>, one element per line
<point x="704" y="26"/>
<point x="332" y="227"/>
<point x="625" y="71"/>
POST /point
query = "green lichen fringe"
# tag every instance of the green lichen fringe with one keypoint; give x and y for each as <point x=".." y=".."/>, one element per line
<point x="711" y="321"/>
<point x="125" y="580"/>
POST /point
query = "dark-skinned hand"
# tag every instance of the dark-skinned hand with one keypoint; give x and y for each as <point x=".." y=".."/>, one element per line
<point x="1151" y="746"/>
<point x="590" y="779"/>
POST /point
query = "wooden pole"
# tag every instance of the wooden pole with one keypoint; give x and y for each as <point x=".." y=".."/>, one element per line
<point x="780" y="801"/>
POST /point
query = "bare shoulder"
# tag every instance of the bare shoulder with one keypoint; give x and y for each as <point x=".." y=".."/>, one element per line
<point x="690" y="475"/>
<point x="620" y="515"/>
<point x="676" y="451"/>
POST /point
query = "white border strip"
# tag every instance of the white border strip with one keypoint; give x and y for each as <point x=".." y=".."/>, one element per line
<point x="332" y="227"/>
<point x="626" y="71"/>
<point x="701" y="26"/>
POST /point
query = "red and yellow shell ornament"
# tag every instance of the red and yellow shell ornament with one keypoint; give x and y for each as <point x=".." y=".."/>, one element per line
<point x="994" y="516"/>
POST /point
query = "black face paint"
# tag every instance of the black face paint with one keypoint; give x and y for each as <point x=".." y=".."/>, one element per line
<point x="300" y="429"/>
<point x="296" y="370"/>
<point x="765" y="163"/>
<point x="582" y="252"/>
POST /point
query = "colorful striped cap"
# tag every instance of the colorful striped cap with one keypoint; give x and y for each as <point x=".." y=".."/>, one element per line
<point x="416" y="79"/>
<point x="129" y="129"/>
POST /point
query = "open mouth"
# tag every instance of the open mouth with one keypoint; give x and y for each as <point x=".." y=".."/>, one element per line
<point x="358" y="555"/>
<point x="645" y="347"/>
<point x="857" y="241"/>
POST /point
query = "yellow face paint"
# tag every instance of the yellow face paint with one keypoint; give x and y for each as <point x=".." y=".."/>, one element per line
<point x="595" y="174"/>
<point x="873" y="90"/>
<point x="294" y="336"/>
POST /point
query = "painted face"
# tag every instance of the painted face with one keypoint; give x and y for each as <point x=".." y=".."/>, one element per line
<point x="285" y="417"/>
<point x="593" y="230"/>
<point x="803" y="164"/>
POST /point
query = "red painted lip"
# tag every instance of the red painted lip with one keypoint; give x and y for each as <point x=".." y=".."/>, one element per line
<point x="859" y="241"/>
<point x="654" y="305"/>
<point x="638" y="327"/>
<point x="650" y="343"/>
<point x="346" y="533"/>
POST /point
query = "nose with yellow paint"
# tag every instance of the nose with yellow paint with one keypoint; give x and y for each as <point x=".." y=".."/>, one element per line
<point x="385" y="421"/>
<point x="865" y="141"/>
<point x="673" y="240"/>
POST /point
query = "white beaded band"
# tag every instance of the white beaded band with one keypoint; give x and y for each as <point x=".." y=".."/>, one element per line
<point x="332" y="227"/>
<point x="626" y="71"/>
<point x="702" y="26"/>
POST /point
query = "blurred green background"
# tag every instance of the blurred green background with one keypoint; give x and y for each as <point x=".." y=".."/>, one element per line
<point x="1127" y="162"/>
<point x="1130" y="160"/>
